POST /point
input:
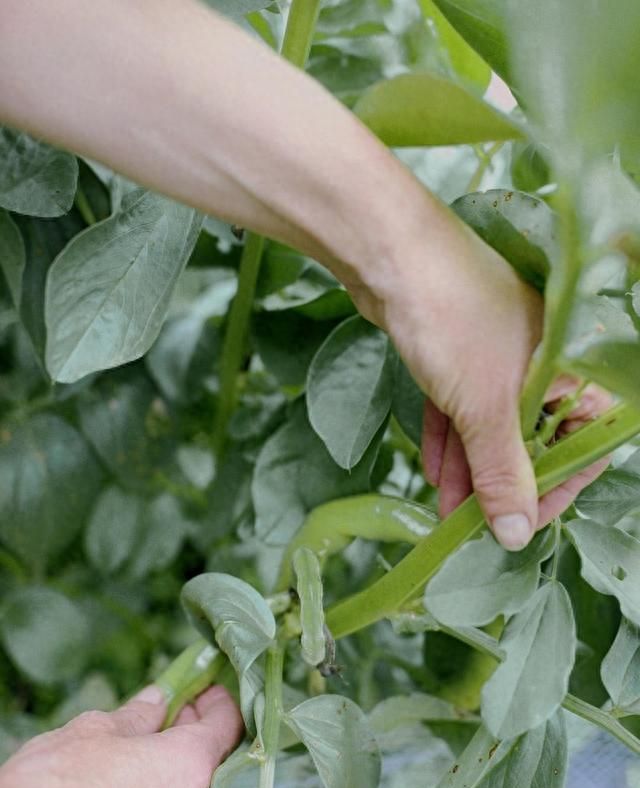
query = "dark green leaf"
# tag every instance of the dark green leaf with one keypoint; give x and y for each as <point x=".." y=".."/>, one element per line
<point x="610" y="563"/>
<point x="408" y="402"/>
<point x="482" y="580"/>
<point x="163" y="528"/>
<point x="426" y="109"/>
<point x="349" y="389"/>
<point x="482" y="23"/>
<point x="295" y="473"/>
<point x="528" y="687"/>
<point x="108" y="292"/>
<point x="12" y="257"/>
<point x="35" y="179"/>
<point x="337" y="735"/>
<point x="45" y="634"/>
<point x="48" y="481"/>
<point x="518" y="226"/>
<point x="529" y="169"/>
<point x="114" y="528"/>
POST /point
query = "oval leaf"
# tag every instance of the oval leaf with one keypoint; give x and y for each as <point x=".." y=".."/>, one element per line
<point x="518" y="226"/>
<point x="482" y="580"/>
<point x="48" y="482"/>
<point x="35" y="179"/>
<point x="337" y="735"/>
<point x="529" y="686"/>
<point x="45" y="634"/>
<point x="610" y="563"/>
<point x="349" y="389"/>
<point x="418" y="109"/>
<point x="114" y="529"/>
<point x="614" y="494"/>
<point x="309" y="588"/>
<point x="12" y="257"/>
<point x="620" y="669"/>
<point x="108" y="291"/>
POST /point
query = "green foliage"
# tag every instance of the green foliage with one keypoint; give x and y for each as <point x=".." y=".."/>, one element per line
<point x="114" y="491"/>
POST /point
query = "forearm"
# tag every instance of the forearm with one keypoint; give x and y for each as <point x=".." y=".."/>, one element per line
<point x="188" y="104"/>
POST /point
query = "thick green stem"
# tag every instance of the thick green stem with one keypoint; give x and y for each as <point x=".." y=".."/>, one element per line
<point x="298" y="36"/>
<point x="410" y="575"/>
<point x="84" y="207"/>
<point x="234" y="342"/>
<point x="273" y="714"/>
<point x="559" y="297"/>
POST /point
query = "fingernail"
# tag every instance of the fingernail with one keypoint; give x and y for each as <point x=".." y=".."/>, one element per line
<point x="151" y="694"/>
<point x="513" y="531"/>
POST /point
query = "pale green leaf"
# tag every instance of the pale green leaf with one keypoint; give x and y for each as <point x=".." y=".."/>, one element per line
<point x="44" y="633"/>
<point x="338" y="737"/>
<point x="349" y="389"/>
<point x="236" y="9"/>
<point x="483" y="580"/>
<point x="416" y="707"/>
<point x="163" y="528"/>
<point x="528" y="687"/>
<point x="114" y="528"/>
<point x="613" y="365"/>
<point x="610" y="563"/>
<point x="35" y="179"/>
<point x="48" y="482"/>
<point x="309" y="588"/>
<point x="537" y="759"/>
<point x="427" y="109"/>
<point x="109" y="290"/>
<point x="12" y="257"/>
<point x="620" y="668"/>
<point x="614" y="494"/>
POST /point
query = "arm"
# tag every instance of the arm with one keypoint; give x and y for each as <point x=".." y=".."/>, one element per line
<point x="173" y="96"/>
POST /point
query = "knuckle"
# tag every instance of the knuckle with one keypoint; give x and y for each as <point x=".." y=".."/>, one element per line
<point x="90" y="722"/>
<point x="496" y="482"/>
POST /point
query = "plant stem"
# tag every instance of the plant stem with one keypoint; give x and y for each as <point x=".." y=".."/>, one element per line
<point x="483" y="165"/>
<point x="298" y="36"/>
<point x="84" y="207"/>
<point x="409" y="576"/>
<point x="273" y="714"/>
<point x="571" y="703"/>
<point x="559" y="297"/>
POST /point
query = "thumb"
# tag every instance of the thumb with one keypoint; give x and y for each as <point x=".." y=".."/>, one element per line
<point x="502" y="474"/>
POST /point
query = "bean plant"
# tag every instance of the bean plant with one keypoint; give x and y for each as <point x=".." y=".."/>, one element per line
<point x="189" y="411"/>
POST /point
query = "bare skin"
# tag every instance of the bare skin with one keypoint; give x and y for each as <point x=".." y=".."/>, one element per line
<point x="123" y="748"/>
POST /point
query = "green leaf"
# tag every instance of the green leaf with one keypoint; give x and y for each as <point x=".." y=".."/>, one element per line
<point x="537" y="759"/>
<point x="95" y="692"/>
<point x="35" y="179"/>
<point x="45" y="634"/>
<point x="482" y="580"/>
<point x="613" y="365"/>
<point x="621" y="667"/>
<point x="610" y="563"/>
<point x="528" y="687"/>
<point x="529" y="168"/>
<point x="12" y="257"/>
<point x="48" y="482"/>
<point x="109" y="290"/>
<point x="309" y="588"/>
<point x="294" y="473"/>
<point x="349" y="389"/>
<point x="338" y="737"/>
<point x="518" y="226"/>
<point x="482" y="23"/>
<point x="164" y="528"/>
<point x="232" y="613"/>
<point x="594" y="107"/>
<point x="114" y="528"/>
<point x="614" y="494"/>
<point x="407" y="404"/>
<point x="417" y="707"/>
<point x="427" y="109"/>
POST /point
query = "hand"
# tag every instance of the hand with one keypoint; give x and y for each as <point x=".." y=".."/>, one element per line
<point x="123" y="749"/>
<point x="467" y="326"/>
